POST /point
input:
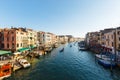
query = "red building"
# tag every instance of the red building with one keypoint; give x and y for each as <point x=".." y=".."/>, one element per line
<point x="8" y="39"/>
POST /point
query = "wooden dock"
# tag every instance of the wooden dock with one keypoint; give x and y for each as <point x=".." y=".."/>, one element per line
<point x="16" y="66"/>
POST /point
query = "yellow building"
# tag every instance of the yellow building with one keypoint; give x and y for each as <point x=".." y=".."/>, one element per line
<point x="40" y="38"/>
<point x="32" y="37"/>
<point x="21" y="38"/>
<point x="47" y="39"/>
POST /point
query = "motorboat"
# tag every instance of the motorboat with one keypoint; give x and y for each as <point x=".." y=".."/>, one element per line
<point x="106" y="63"/>
<point x="83" y="48"/>
<point x="5" y="70"/>
<point x="105" y="57"/>
<point x="24" y="63"/>
<point x="107" y="60"/>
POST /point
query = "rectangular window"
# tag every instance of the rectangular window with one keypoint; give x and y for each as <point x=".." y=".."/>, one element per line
<point x="119" y="46"/>
<point x="2" y="45"/>
<point x="21" y="44"/>
<point x="108" y="42"/>
<point x="7" y="45"/>
<point x="118" y="32"/>
<point x="30" y="34"/>
<point x="17" y="45"/>
<point x="112" y="36"/>
<point x="12" y="32"/>
<point x="7" y="38"/>
<point x="2" y="38"/>
<point x="12" y="38"/>
<point x="31" y="38"/>
<point x="112" y="44"/>
<point x="12" y="45"/>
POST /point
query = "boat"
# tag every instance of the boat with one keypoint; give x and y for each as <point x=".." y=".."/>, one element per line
<point x="106" y="63"/>
<point x="38" y="54"/>
<point x="104" y="57"/>
<point x="5" y="70"/>
<point x="118" y="63"/>
<point x="118" y="60"/>
<point x="24" y="63"/>
<point x="62" y="50"/>
<point x="48" y="49"/>
<point x="83" y="48"/>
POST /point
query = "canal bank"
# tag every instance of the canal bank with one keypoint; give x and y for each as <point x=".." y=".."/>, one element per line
<point x="71" y="64"/>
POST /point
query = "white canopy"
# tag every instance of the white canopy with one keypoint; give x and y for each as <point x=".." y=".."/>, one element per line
<point x="17" y="53"/>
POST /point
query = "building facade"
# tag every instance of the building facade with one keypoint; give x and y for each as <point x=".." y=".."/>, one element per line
<point x="32" y="37"/>
<point x="8" y="39"/>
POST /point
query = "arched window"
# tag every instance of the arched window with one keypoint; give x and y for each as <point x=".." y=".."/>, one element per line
<point x="17" y="45"/>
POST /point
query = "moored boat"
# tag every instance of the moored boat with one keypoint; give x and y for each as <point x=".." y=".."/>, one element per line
<point x="24" y="63"/>
<point x="83" y="48"/>
<point x="106" y="63"/>
<point x="118" y="63"/>
<point x="104" y="57"/>
<point x="5" y="70"/>
<point x="118" y="60"/>
<point x="48" y="49"/>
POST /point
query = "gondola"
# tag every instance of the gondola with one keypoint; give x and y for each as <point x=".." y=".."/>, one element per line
<point x="62" y="50"/>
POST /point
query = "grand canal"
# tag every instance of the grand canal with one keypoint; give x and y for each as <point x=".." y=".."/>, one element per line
<point x="71" y="64"/>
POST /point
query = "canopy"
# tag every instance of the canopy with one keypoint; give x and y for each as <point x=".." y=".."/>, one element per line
<point x="23" y="49"/>
<point x="32" y="46"/>
<point x="2" y="52"/>
<point x="17" y="53"/>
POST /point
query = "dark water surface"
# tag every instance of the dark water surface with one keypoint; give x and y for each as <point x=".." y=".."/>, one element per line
<point x="71" y="64"/>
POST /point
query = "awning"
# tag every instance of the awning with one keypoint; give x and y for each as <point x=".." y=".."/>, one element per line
<point x="23" y="49"/>
<point x="32" y="46"/>
<point x="17" y="53"/>
<point x="2" y="52"/>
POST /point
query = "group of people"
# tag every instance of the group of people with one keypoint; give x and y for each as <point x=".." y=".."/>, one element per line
<point x="5" y="57"/>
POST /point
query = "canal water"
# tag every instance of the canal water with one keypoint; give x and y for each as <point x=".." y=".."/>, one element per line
<point x="71" y="64"/>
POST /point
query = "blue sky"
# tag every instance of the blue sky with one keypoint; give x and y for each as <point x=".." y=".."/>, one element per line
<point x="75" y="17"/>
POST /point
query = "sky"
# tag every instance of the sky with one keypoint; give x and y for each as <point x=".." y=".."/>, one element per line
<point x="61" y="17"/>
